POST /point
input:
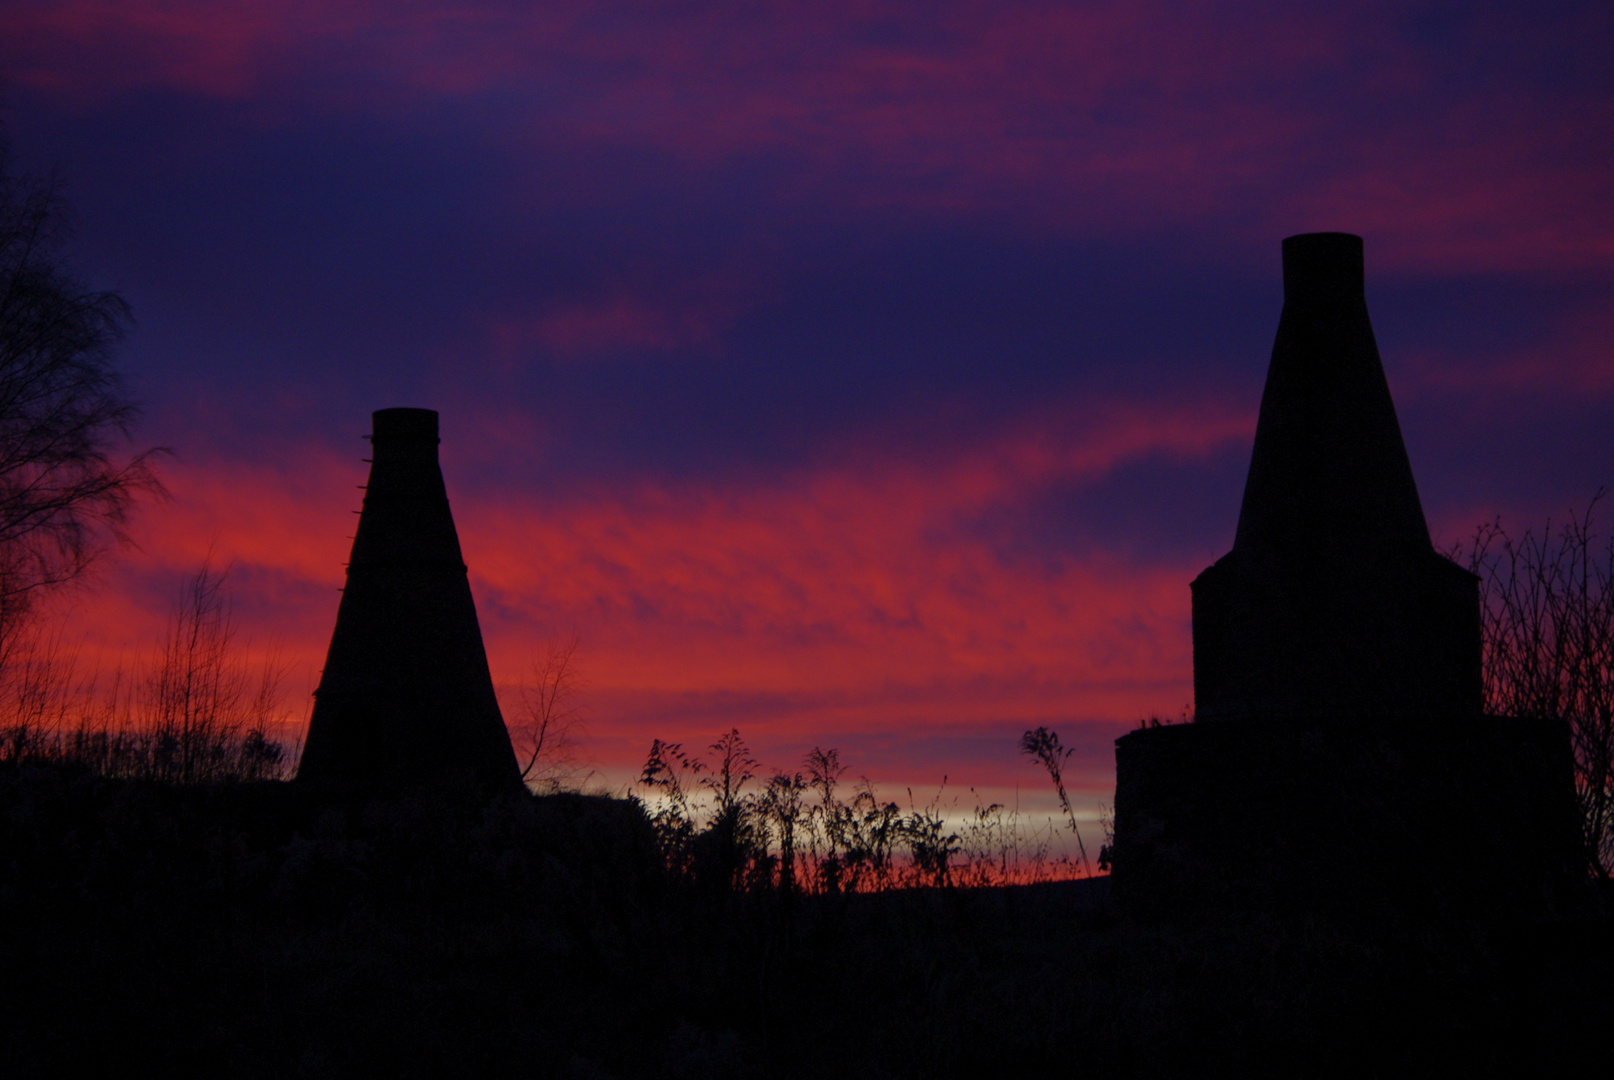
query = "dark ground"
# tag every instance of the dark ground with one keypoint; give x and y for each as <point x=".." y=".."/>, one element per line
<point x="248" y="931"/>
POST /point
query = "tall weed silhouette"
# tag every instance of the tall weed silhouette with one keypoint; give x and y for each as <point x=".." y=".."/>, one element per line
<point x="803" y="831"/>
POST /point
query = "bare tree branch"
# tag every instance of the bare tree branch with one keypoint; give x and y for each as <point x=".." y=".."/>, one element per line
<point x="1547" y="601"/>
<point x="66" y="487"/>
<point x="549" y="717"/>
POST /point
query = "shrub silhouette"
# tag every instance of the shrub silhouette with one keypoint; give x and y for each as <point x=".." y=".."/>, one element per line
<point x="197" y="711"/>
<point x="1547" y="608"/>
<point x="798" y="833"/>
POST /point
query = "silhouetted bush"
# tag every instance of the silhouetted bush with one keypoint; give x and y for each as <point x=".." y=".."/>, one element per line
<point x="796" y="833"/>
<point x="1547" y="604"/>
<point x="195" y="712"/>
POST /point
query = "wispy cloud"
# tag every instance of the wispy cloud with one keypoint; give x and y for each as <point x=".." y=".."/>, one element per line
<point x="1071" y="118"/>
<point x="856" y="595"/>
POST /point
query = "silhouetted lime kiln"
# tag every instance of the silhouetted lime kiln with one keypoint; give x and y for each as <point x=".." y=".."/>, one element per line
<point x="406" y="696"/>
<point x="1340" y="752"/>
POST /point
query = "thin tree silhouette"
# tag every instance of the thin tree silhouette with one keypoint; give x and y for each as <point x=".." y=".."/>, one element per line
<point x="1547" y="604"/>
<point x="65" y="490"/>
<point x="548" y="716"/>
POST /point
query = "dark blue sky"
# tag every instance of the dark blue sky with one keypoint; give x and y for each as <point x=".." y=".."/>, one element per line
<point x="896" y="369"/>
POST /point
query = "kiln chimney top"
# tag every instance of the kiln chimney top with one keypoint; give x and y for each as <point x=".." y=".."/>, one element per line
<point x="1322" y="266"/>
<point x="389" y="425"/>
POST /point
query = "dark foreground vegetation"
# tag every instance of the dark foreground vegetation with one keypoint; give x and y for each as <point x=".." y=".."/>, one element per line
<point x="171" y="906"/>
<point x="247" y="930"/>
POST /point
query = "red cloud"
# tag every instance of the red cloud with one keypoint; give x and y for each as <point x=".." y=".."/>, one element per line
<point x="863" y="600"/>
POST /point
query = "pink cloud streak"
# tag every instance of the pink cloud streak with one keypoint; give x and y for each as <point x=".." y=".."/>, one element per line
<point x="851" y="597"/>
<point x="1074" y="120"/>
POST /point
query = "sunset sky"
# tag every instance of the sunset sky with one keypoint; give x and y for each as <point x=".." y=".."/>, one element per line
<point x="865" y="375"/>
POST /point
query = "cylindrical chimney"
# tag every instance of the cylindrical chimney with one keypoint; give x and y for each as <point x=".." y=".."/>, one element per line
<point x="1322" y="266"/>
<point x="404" y="432"/>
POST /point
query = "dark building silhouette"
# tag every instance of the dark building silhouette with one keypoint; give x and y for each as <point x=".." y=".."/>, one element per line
<point x="1333" y="601"/>
<point x="1341" y="753"/>
<point x="406" y="696"/>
